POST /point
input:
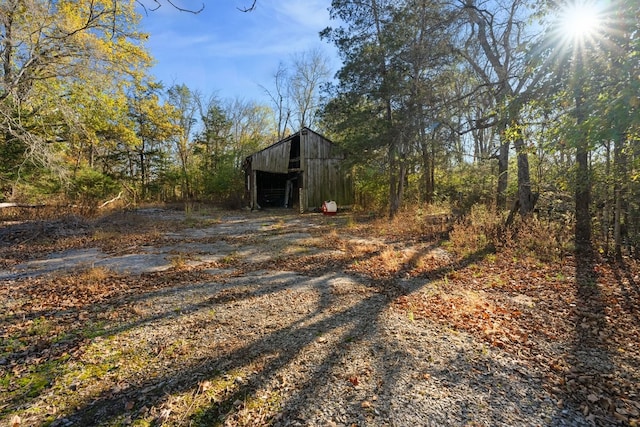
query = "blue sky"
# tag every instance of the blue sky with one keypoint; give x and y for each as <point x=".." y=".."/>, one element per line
<point x="227" y="52"/>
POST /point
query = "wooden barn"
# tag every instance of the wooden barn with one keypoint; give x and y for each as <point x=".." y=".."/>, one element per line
<point x="302" y="170"/>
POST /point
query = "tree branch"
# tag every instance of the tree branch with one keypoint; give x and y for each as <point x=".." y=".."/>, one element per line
<point x="185" y="10"/>
<point x="250" y="8"/>
<point x="119" y="196"/>
<point x="158" y="5"/>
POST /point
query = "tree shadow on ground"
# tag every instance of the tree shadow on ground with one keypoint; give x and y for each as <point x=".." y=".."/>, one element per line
<point x="348" y="326"/>
<point x="72" y="336"/>
<point x="589" y="361"/>
<point x="629" y="284"/>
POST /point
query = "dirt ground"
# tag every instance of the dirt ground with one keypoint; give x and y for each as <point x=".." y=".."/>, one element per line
<point x="161" y="317"/>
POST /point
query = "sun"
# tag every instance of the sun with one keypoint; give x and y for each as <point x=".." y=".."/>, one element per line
<point x="580" y="21"/>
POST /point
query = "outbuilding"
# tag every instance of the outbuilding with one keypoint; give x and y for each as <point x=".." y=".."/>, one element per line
<point x="302" y="170"/>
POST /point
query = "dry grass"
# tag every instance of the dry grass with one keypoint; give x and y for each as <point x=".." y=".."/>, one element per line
<point x="92" y="275"/>
<point x="416" y="221"/>
<point x="484" y="228"/>
<point x="74" y="338"/>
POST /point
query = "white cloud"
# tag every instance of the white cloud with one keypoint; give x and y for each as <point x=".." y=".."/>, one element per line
<point x="308" y="13"/>
<point x="223" y="48"/>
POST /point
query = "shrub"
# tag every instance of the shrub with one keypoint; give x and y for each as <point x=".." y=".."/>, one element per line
<point x="478" y="230"/>
<point x="484" y="228"/>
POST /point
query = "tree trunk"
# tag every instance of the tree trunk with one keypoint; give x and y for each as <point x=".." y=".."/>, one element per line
<point x="92" y="154"/>
<point x="143" y="173"/>
<point x="617" y="217"/>
<point x="503" y="166"/>
<point x="583" y="199"/>
<point x="583" y="178"/>
<point x="394" y="203"/>
<point x="606" y="208"/>
<point x="427" y="167"/>
<point x="618" y="190"/>
<point x="525" y="196"/>
<point x="402" y="177"/>
<point x="583" y="181"/>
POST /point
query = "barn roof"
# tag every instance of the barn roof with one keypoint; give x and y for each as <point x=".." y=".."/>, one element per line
<point x="275" y="158"/>
<point x="289" y="138"/>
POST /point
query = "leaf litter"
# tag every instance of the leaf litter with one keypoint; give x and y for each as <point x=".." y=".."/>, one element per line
<point x="343" y="329"/>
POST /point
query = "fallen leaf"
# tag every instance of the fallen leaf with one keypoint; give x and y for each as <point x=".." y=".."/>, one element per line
<point x="622" y="411"/>
<point x="164" y="416"/>
<point x="621" y="417"/>
<point x="16" y="421"/>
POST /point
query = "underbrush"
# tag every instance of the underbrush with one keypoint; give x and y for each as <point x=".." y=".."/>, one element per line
<point x="484" y="228"/>
<point x="423" y="221"/>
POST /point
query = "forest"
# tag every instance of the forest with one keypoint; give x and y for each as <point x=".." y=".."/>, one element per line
<point x="506" y="104"/>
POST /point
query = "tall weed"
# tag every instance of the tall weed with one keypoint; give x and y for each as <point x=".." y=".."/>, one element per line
<point x="419" y="221"/>
<point x="484" y="228"/>
<point x="479" y="229"/>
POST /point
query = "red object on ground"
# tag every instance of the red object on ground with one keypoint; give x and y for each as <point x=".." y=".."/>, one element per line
<point x="329" y="207"/>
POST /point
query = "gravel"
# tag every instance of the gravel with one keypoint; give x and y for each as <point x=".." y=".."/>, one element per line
<point x="331" y="345"/>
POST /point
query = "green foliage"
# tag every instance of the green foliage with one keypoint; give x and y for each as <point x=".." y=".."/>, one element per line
<point x="467" y="184"/>
<point x="34" y="185"/>
<point x="371" y="188"/>
<point x="54" y="106"/>
<point x="91" y="186"/>
<point x="226" y="185"/>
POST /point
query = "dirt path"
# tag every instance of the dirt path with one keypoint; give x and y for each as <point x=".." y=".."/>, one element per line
<point x="249" y="319"/>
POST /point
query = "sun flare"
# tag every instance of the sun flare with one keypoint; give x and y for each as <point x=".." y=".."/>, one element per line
<point x="581" y="20"/>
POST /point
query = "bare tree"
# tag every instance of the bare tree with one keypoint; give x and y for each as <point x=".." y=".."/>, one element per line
<point x="157" y="4"/>
<point x="249" y="127"/>
<point x="280" y="100"/>
<point x="492" y="36"/>
<point x="186" y="107"/>
<point x="310" y="70"/>
<point x="249" y="8"/>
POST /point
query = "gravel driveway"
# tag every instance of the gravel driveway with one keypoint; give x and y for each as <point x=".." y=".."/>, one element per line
<point x="258" y="319"/>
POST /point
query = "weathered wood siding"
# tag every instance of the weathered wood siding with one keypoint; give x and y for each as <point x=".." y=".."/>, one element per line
<point x="273" y="159"/>
<point x="320" y="170"/>
<point x="324" y="174"/>
<point x="319" y="148"/>
<point x="326" y="181"/>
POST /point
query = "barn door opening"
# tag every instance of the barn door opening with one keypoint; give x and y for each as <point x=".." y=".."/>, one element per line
<point x="278" y="189"/>
<point x="292" y="190"/>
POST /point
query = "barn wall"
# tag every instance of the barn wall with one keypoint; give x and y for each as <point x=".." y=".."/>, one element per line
<point x="325" y="178"/>
<point x="325" y="181"/>
<point x="319" y="148"/>
<point x="320" y="170"/>
<point x="273" y="159"/>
